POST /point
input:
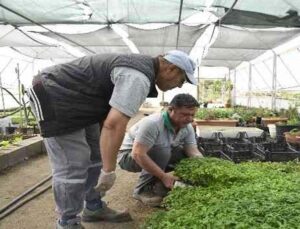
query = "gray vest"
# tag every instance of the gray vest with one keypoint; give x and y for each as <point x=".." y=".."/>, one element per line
<point x="76" y="94"/>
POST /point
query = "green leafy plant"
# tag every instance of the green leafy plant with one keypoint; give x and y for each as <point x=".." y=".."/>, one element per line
<point x="214" y="113"/>
<point x="227" y="195"/>
<point x="4" y="144"/>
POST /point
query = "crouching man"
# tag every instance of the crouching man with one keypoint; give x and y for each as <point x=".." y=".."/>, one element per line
<point x="155" y="144"/>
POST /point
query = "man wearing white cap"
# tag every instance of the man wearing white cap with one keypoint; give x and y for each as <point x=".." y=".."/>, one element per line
<point x="73" y="101"/>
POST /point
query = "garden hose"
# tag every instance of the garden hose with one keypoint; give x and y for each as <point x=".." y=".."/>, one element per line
<point x="16" y="203"/>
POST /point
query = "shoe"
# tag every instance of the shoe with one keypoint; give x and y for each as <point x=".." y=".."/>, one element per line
<point x="105" y="214"/>
<point x="70" y="225"/>
<point x="148" y="198"/>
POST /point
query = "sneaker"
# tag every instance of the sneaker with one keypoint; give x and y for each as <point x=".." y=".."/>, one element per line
<point x="105" y="214"/>
<point x="148" y="198"/>
<point x="71" y="225"/>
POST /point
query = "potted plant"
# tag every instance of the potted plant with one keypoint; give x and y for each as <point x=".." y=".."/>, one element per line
<point x="215" y="117"/>
<point x="228" y="103"/>
<point x="272" y="119"/>
<point x="293" y="122"/>
<point x="293" y="136"/>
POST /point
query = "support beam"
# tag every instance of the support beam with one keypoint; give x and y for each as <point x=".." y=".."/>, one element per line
<point x="271" y="72"/>
<point x="274" y="82"/>
<point x="234" y="88"/>
<point x="263" y="79"/>
<point x="17" y="69"/>
<point x="2" y="96"/>
<point x="198" y="81"/>
<point x="288" y="69"/>
<point x="249" y="85"/>
<point x="178" y="22"/>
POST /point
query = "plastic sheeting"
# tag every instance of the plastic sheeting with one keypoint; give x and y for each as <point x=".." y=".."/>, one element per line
<point x="100" y="11"/>
<point x="151" y="42"/>
<point x="235" y="44"/>
<point x="246" y="12"/>
<point x="9" y="36"/>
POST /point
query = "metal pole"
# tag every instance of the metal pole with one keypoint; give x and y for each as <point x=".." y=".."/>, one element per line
<point x="288" y="69"/>
<point x="274" y="83"/>
<point x="198" y="81"/>
<point x="229" y="89"/>
<point x="17" y="69"/>
<point x="2" y="70"/>
<point x="2" y="96"/>
<point x="223" y="90"/>
<point x="234" y="87"/>
<point x="250" y="85"/>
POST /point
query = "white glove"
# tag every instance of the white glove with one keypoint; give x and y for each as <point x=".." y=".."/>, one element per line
<point x="105" y="182"/>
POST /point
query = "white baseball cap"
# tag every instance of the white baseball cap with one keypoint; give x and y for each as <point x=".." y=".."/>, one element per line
<point x="184" y="62"/>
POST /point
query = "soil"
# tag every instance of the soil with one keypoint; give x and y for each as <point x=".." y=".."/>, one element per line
<point x="40" y="212"/>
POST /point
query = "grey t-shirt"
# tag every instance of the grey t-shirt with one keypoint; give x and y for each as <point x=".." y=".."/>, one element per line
<point x="152" y="132"/>
<point x="130" y="91"/>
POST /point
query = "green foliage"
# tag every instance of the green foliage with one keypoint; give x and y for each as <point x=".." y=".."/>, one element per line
<point x="4" y="144"/>
<point x="244" y="114"/>
<point x="17" y="119"/>
<point x="199" y="172"/>
<point x="295" y="132"/>
<point x="13" y="140"/>
<point x="213" y="89"/>
<point x="293" y="116"/>
<point x="227" y="195"/>
<point x="214" y="113"/>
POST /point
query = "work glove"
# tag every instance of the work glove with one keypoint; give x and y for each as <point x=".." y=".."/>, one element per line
<point x="105" y="182"/>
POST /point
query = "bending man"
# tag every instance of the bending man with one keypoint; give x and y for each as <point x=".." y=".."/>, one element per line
<point x="74" y="101"/>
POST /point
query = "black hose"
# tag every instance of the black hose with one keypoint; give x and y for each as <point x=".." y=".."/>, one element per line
<point x="17" y="199"/>
<point x="15" y="207"/>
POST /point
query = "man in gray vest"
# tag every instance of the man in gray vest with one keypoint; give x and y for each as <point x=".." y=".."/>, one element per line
<point x="73" y="101"/>
<point x="155" y="144"/>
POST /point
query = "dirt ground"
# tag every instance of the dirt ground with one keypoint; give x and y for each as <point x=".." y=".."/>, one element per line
<point x="40" y="212"/>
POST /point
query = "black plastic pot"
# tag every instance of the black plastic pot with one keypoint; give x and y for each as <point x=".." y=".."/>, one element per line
<point x="10" y="129"/>
<point x="258" y="120"/>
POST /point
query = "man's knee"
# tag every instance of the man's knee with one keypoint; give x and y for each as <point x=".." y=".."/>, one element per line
<point x="126" y="162"/>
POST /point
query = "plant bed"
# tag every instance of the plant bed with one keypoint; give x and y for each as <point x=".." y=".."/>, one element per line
<point x="217" y="122"/>
<point x="272" y="120"/>
<point x="13" y="140"/>
<point x="282" y="128"/>
<point x="226" y="195"/>
<point x="291" y="138"/>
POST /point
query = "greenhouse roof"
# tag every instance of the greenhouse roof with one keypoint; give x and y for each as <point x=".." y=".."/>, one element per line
<point x="246" y="29"/>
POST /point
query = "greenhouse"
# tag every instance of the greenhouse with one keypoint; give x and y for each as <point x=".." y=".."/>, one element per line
<point x="245" y="56"/>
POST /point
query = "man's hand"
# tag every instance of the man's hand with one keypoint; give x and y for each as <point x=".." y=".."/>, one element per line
<point x="169" y="179"/>
<point x="105" y="182"/>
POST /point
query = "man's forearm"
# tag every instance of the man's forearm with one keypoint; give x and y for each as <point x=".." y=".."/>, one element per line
<point x="192" y="151"/>
<point x="110" y="142"/>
